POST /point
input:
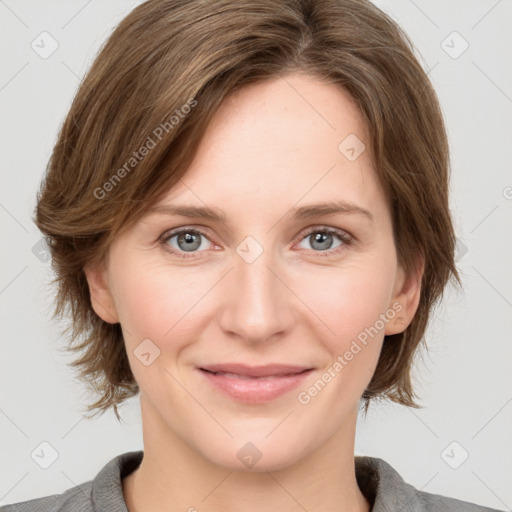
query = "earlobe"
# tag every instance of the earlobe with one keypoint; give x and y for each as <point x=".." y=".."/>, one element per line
<point x="101" y="296"/>
<point x="406" y="298"/>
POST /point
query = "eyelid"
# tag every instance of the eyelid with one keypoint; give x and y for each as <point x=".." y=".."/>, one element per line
<point x="171" y="233"/>
<point x="325" y="228"/>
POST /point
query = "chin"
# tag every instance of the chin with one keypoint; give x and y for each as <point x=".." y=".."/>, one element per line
<point x="263" y="460"/>
<point x="257" y="453"/>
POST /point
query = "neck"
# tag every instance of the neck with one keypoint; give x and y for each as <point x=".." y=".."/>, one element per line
<point x="174" y="477"/>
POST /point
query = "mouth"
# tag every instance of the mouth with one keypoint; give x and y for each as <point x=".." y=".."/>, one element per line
<point x="242" y="370"/>
<point x="255" y="384"/>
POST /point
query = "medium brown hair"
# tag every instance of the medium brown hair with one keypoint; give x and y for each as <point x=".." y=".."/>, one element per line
<point x="168" y="54"/>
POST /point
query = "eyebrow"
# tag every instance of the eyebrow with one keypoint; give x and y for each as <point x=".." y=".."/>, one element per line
<point x="303" y="212"/>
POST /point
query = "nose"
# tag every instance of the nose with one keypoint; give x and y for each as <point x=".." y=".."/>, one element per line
<point x="256" y="304"/>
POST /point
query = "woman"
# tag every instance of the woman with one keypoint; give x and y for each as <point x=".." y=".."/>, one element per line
<point x="247" y="211"/>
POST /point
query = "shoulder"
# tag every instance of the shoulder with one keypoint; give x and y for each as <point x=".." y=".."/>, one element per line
<point x="105" y="492"/>
<point x="76" y="499"/>
<point x="426" y="502"/>
<point x="386" y="490"/>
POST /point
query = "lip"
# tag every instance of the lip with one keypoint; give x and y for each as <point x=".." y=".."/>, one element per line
<point x="254" y="384"/>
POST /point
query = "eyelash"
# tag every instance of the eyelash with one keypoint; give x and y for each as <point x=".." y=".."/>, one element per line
<point x="343" y="236"/>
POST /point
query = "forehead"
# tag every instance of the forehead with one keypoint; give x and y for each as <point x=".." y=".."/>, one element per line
<point x="281" y="142"/>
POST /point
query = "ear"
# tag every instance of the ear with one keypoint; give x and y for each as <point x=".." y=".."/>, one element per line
<point x="406" y="297"/>
<point x="101" y="296"/>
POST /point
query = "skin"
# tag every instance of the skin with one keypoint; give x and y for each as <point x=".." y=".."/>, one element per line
<point x="272" y="146"/>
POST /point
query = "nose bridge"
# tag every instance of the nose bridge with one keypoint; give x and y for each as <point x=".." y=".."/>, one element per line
<point x="257" y="307"/>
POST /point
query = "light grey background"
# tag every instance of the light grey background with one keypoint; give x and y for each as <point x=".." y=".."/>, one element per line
<point x="465" y="380"/>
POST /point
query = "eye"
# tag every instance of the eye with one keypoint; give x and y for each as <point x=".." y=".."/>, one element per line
<point x="184" y="240"/>
<point x="188" y="240"/>
<point x="321" y="239"/>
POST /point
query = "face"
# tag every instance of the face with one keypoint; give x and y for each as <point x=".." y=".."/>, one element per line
<point x="274" y="282"/>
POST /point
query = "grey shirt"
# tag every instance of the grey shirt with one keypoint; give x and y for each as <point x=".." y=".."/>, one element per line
<point x="379" y="482"/>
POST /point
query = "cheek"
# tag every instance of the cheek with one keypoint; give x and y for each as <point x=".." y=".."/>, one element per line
<point x="141" y="301"/>
<point x="349" y="299"/>
<point x="157" y="302"/>
<point x="350" y="303"/>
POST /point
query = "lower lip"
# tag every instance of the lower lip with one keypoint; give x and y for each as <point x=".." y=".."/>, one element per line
<point x="256" y="390"/>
